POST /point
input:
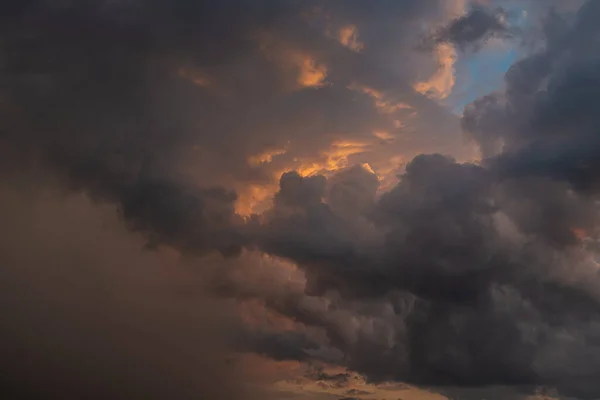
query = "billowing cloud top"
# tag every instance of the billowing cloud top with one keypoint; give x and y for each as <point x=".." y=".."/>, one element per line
<point x="301" y="153"/>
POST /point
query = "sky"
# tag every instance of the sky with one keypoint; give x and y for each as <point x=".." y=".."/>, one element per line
<point x="300" y="199"/>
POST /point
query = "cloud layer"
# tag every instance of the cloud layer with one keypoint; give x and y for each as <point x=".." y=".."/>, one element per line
<point x="260" y="137"/>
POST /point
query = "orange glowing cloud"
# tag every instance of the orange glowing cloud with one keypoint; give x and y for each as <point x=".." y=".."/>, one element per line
<point x="387" y="172"/>
<point x="354" y="385"/>
<point x="384" y="104"/>
<point x="254" y="198"/>
<point x="265" y="157"/>
<point x="348" y="36"/>
<point x="440" y="85"/>
<point x="384" y="136"/>
<point x="311" y="74"/>
<point x="257" y="198"/>
<point x="335" y="158"/>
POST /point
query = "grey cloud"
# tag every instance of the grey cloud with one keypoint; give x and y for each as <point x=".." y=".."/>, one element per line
<point x="477" y="26"/>
<point x="545" y="125"/>
<point x="296" y="191"/>
<point x="457" y="298"/>
<point x="352" y="191"/>
<point x="278" y="346"/>
<point x="443" y="298"/>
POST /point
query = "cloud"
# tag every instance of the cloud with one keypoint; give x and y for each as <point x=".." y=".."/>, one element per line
<point x="150" y="76"/>
<point x="478" y="25"/>
<point x="93" y="315"/>
<point x="348" y="36"/>
<point x="545" y="131"/>
<point x="461" y="275"/>
<point x="440" y="84"/>
<point x="474" y="274"/>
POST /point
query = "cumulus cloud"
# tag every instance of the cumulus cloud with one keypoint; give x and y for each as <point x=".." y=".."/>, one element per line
<point x="461" y="275"/>
<point x="485" y="266"/>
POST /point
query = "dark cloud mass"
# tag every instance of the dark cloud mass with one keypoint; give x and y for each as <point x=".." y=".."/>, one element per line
<point x="479" y="25"/>
<point x="461" y="275"/>
<point x="90" y="315"/>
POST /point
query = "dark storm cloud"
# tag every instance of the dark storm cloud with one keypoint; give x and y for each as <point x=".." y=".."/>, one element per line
<point x="478" y="25"/>
<point x="461" y="275"/>
<point x="449" y="297"/>
<point x="547" y="128"/>
<point x="155" y="107"/>
<point x="280" y="346"/>
<point x="95" y="90"/>
<point x="472" y="275"/>
<point x="82" y="85"/>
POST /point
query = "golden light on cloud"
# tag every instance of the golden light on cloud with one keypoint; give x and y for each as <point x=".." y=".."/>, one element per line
<point x="311" y="74"/>
<point x="348" y="36"/>
<point x="384" y="135"/>
<point x="335" y="158"/>
<point x="388" y="171"/>
<point x="254" y="198"/>
<point x="440" y="85"/>
<point x="367" y="166"/>
<point x="265" y="157"/>
<point x="384" y="104"/>
<point x="257" y="198"/>
<point x="354" y="385"/>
